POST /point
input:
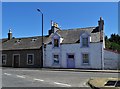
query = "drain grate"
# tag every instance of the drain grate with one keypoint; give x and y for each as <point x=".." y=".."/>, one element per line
<point x="110" y="83"/>
<point x="117" y="84"/>
<point x="113" y="83"/>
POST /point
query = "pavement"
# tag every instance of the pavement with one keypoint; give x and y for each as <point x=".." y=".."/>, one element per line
<point x="72" y="70"/>
<point x="82" y="70"/>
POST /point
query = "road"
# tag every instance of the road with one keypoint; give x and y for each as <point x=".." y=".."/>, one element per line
<point x="22" y="77"/>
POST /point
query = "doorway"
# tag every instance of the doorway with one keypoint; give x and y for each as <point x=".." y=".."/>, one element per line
<point x="16" y="60"/>
<point x="70" y="61"/>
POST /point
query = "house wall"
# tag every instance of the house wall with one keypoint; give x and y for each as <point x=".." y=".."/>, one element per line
<point x="23" y="57"/>
<point x="0" y="58"/>
<point x="111" y="60"/>
<point x="94" y="51"/>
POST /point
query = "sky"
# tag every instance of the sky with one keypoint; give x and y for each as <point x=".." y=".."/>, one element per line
<point x="25" y="21"/>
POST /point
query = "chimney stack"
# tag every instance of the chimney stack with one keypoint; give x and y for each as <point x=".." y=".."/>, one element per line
<point x="101" y="29"/>
<point x="54" y="27"/>
<point x="101" y="24"/>
<point x="9" y="35"/>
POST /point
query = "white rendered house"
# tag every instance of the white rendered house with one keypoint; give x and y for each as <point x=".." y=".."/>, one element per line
<point x="75" y="48"/>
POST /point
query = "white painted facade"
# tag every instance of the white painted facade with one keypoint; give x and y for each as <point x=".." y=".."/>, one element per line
<point x="94" y="50"/>
<point x="89" y="47"/>
<point x="111" y="59"/>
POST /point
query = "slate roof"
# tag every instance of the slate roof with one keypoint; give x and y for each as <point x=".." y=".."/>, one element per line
<point x="23" y="43"/>
<point x="69" y="36"/>
<point x="4" y="40"/>
<point x="73" y="35"/>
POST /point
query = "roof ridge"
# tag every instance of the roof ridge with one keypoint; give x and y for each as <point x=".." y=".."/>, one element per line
<point x="79" y="28"/>
<point x="25" y="37"/>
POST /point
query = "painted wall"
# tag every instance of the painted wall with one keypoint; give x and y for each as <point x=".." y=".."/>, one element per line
<point x="94" y="51"/>
<point x="111" y="59"/>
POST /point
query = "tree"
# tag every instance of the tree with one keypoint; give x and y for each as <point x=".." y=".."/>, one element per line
<point x="113" y="42"/>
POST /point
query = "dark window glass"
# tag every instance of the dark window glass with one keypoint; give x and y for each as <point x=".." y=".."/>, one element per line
<point x="56" y="59"/>
<point x="85" y="42"/>
<point x="30" y="59"/>
<point x="3" y="59"/>
<point x="56" y="43"/>
<point x="85" y="58"/>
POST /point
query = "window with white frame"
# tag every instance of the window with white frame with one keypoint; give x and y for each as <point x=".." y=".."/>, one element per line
<point x="4" y="58"/>
<point x="85" y="41"/>
<point x="56" y="42"/>
<point x="85" y="58"/>
<point x="30" y="59"/>
<point x="56" y="59"/>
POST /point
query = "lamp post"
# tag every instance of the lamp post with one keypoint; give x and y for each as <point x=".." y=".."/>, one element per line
<point x="42" y="37"/>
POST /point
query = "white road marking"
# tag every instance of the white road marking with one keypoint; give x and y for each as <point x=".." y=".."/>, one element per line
<point x="85" y="84"/>
<point x="7" y="74"/>
<point x="19" y="76"/>
<point x="38" y="79"/>
<point x="62" y="84"/>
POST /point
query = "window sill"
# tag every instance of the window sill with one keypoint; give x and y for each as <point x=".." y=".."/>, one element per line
<point x="55" y="64"/>
<point x="56" y="47"/>
<point x="30" y="64"/>
<point x="85" y="64"/>
<point x="85" y="46"/>
<point x="3" y="64"/>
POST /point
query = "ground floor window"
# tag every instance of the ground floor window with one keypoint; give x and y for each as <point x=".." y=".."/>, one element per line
<point x="85" y="58"/>
<point x="30" y="59"/>
<point x="4" y="58"/>
<point x="56" y="59"/>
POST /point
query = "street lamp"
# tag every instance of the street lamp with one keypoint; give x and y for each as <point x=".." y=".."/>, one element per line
<point x="42" y="36"/>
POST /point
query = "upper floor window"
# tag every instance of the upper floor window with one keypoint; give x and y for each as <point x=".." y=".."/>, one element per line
<point x="85" y="41"/>
<point x="56" y="40"/>
<point x="4" y="58"/>
<point x="56" y="43"/>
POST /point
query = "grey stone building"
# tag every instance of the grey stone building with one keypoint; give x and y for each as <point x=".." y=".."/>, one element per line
<point x="22" y="52"/>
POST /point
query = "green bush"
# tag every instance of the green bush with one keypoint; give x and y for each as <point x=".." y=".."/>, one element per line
<point x="113" y="42"/>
